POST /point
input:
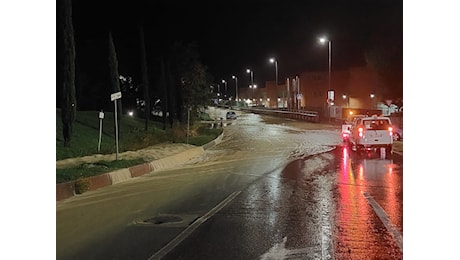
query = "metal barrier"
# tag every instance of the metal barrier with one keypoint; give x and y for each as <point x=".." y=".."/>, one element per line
<point x="310" y="116"/>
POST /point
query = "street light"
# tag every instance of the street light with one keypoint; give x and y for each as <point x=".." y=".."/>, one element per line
<point x="372" y="99"/>
<point x="252" y="81"/>
<point x="273" y="60"/>
<point x="253" y="87"/>
<point x="252" y="75"/>
<point x="236" y="88"/>
<point x="225" y="84"/>
<point x="322" y="41"/>
<point x="347" y="100"/>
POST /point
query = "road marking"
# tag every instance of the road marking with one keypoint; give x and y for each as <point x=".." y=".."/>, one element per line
<point x="386" y="221"/>
<point x="279" y="251"/>
<point x="189" y="230"/>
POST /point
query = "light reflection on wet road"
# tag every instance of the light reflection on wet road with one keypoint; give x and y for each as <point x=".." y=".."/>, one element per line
<point x="360" y="232"/>
<point x="314" y="208"/>
<point x="292" y="196"/>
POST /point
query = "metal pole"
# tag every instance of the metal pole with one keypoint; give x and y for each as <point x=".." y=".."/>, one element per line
<point x="100" y="133"/>
<point x="116" y="129"/>
<point x="298" y="93"/>
<point x="329" y="65"/>
<point x="236" y="91"/>
<point x="288" y="94"/>
<point x="252" y="82"/>
<point x="276" y="69"/>
<point x="188" y="122"/>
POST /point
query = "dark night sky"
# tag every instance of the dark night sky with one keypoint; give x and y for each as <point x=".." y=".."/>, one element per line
<point x="234" y="35"/>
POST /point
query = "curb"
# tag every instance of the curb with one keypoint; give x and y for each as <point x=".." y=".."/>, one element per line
<point x="68" y="189"/>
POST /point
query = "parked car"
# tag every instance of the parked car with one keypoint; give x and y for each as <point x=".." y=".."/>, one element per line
<point x="372" y="132"/>
<point x="346" y="127"/>
<point x="230" y="115"/>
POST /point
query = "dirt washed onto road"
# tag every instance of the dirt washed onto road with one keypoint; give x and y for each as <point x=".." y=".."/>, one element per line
<point x="149" y="154"/>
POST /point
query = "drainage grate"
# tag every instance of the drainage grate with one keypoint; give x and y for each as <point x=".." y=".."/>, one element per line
<point x="163" y="219"/>
<point x="166" y="220"/>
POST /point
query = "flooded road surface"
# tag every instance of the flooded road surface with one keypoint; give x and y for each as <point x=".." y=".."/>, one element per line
<point x="335" y="205"/>
<point x="369" y="210"/>
<point x="272" y="189"/>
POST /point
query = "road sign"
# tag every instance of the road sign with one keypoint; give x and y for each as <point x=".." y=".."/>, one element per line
<point x="115" y="96"/>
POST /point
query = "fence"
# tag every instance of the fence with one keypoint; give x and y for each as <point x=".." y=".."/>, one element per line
<point x="310" y="116"/>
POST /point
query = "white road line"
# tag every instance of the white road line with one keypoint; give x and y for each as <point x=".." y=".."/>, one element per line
<point x="386" y="221"/>
<point x="177" y="240"/>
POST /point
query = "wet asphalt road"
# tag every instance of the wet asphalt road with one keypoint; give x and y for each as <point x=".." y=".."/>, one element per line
<point x="267" y="191"/>
<point x="321" y="207"/>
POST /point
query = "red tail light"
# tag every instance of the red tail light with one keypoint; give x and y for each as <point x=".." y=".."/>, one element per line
<point x="360" y="132"/>
<point x="390" y="129"/>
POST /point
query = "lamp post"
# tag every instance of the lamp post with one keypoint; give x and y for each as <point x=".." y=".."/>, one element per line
<point x="372" y="96"/>
<point x="347" y="100"/>
<point x="236" y="89"/>
<point x="253" y="87"/>
<point x="225" y="84"/>
<point x="252" y="80"/>
<point x="252" y="75"/>
<point x="273" y="60"/>
<point x="322" y="41"/>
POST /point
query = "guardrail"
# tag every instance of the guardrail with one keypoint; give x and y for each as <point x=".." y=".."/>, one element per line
<point x="310" y="116"/>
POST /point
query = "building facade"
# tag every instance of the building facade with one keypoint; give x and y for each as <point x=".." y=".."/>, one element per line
<point x="355" y="88"/>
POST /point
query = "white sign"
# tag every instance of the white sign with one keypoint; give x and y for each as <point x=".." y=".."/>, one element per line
<point x="101" y="115"/>
<point x="115" y="96"/>
<point x="330" y="95"/>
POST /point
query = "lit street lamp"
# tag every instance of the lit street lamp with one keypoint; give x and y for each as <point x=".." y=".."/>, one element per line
<point x="372" y="96"/>
<point x="273" y="60"/>
<point x="322" y="41"/>
<point x="253" y="87"/>
<point x="252" y="81"/>
<point x="347" y="100"/>
<point x="236" y="89"/>
<point x="252" y="75"/>
<point x="225" y="84"/>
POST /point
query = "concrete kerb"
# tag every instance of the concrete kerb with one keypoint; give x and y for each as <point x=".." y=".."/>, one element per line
<point x="67" y="189"/>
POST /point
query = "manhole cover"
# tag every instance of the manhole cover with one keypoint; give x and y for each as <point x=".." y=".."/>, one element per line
<point x="163" y="219"/>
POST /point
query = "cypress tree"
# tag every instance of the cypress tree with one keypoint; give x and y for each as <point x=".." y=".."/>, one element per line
<point x="114" y="76"/>
<point x="67" y="49"/>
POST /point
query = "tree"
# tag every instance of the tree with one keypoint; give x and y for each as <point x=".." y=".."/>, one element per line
<point x="114" y="76"/>
<point x="164" y="88"/>
<point x="67" y="78"/>
<point x="145" y="81"/>
<point x="385" y="53"/>
<point x="189" y="81"/>
<point x="195" y="83"/>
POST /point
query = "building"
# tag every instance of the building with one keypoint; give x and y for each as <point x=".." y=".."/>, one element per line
<point x="353" y="89"/>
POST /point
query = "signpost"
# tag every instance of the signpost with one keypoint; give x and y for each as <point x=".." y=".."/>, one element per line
<point x="101" y="117"/>
<point x="114" y="98"/>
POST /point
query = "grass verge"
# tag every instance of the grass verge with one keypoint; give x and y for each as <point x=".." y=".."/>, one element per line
<point x="132" y="136"/>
